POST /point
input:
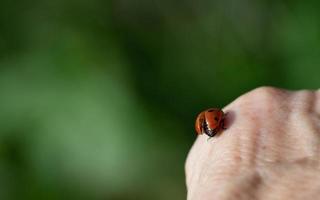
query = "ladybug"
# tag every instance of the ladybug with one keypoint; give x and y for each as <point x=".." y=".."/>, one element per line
<point x="210" y="122"/>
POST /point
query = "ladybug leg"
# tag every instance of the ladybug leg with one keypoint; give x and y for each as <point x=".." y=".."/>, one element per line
<point x="222" y="125"/>
<point x="212" y="133"/>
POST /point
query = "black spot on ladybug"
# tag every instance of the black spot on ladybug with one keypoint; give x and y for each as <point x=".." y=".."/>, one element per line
<point x="209" y="131"/>
<point x="205" y="128"/>
<point x="210" y="110"/>
<point x="216" y="119"/>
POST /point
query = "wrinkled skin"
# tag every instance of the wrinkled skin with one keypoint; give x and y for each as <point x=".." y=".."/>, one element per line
<point x="270" y="150"/>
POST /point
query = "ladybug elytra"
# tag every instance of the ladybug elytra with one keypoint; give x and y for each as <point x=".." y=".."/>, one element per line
<point x="210" y="122"/>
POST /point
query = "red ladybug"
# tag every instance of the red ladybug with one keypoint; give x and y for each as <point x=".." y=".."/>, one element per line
<point x="210" y="122"/>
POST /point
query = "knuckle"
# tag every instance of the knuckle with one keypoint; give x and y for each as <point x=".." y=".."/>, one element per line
<point x="266" y="91"/>
<point x="263" y="100"/>
<point x="304" y="102"/>
<point x="263" y="95"/>
<point x="317" y="103"/>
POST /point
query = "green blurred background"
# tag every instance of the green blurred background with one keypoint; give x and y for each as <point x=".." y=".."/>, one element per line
<point x="98" y="98"/>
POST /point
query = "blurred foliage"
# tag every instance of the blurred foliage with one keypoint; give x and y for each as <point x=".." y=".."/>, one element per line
<point x="98" y="98"/>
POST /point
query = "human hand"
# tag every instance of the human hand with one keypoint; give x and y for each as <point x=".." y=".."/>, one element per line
<point x="270" y="150"/>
